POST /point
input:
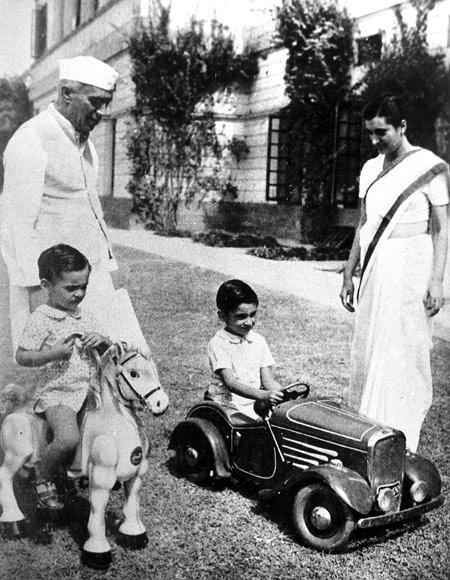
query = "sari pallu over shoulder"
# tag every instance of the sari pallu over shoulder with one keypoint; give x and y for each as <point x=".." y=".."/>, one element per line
<point x="408" y="174"/>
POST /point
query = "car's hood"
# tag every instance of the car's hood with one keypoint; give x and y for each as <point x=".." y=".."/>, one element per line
<point x="325" y="420"/>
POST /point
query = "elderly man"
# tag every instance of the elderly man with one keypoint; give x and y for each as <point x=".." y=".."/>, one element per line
<point x="50" y="188"/>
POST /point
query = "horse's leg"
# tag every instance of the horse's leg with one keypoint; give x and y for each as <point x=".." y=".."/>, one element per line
<point x="102" y="476"/>
<point x="17" y="442"/>
<point x="132" y="530"/>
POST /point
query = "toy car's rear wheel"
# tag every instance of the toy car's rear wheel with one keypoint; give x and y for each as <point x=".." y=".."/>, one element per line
<point x="321" y="518"/>
<point x="195" y="457"/>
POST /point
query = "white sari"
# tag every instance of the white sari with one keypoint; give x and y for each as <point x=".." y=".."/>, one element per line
<point x="390" y="356"/>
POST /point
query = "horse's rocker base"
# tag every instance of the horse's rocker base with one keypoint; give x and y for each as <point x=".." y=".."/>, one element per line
<point x="14" y="530"/>
<point x="131" y="542"/>
<point x="96" y="560"/>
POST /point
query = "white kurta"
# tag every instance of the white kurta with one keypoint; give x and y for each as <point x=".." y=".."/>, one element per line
<point x="50" y="197"/>
<point x="390" y="357"/>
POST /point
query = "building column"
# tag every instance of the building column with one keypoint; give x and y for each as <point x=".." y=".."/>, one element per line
<point x="87" y="10"/>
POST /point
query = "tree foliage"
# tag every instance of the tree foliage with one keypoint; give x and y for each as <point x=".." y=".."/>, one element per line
<point x="318" y="36"/>
<point x="174" y="146"/>
<point x="15" y="109"/>
<point x="408" y="70"/>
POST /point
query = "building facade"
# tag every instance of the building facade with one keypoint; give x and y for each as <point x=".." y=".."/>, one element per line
<point x="66" y="28"/>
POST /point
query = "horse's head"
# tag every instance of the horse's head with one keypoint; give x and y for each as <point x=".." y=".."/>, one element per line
<point x="137" y="379"/>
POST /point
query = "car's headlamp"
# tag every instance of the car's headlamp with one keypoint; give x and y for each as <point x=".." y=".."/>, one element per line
<point x="419" y="491"/>
<point x="386" y="500"/>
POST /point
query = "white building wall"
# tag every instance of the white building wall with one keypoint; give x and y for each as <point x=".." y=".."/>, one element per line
<point x="252" y="23"/>
<point x="267" y="97"/>
<point x="380" y="17"/>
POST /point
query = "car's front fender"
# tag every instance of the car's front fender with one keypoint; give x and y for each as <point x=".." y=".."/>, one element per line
<point x="417" y="468"/>
<point x="202" y="428"/>
<point x="346" y="483"/>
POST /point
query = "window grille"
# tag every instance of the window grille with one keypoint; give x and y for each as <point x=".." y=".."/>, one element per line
<point x="278" y="155"/>
<point x="369" y="49"/>
<point x="77" y="14"/>
<point x="39" y="41"/>
<point x="348" y="155"/>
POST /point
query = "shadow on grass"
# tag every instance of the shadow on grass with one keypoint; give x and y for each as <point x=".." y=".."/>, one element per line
<point x="41" y="527"/>
<point x="214" y="485"/>
<point x="279" y="512"/>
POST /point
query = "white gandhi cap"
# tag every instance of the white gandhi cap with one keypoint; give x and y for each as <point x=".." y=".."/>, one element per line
<point x="89" y="71"/>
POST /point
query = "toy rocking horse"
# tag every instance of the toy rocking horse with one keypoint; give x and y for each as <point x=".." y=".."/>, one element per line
<point x="112" y="448"/>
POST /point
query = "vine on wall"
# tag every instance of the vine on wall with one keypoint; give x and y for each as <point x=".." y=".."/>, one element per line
<point x="408" y="70"/>
<point x="174" y="147"/>
<point x="318" y="36"/>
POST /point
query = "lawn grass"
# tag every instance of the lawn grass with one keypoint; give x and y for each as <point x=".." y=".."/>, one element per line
<point x="225" y="533"/>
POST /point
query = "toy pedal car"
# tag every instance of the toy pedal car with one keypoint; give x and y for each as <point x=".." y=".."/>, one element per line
<point x="342" y="470"/>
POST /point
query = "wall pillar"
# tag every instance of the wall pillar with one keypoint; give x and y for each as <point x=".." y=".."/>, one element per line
<point x="70" y="12"/>
<point x="55" y="20"/>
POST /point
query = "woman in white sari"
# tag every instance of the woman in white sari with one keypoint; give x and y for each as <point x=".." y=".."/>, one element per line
<point x="401" y="243"/>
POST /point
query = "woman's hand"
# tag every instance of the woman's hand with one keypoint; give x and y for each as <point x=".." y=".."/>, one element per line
<point x="433" y="299"/>
<point x="347" y="294"/>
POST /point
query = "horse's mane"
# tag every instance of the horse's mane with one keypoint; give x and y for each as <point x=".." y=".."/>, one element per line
<point x="105" y="372"/>
<point x="12" y="397"/>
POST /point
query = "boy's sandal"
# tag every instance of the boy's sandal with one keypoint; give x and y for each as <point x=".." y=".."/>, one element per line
<point x="47" y="496"/>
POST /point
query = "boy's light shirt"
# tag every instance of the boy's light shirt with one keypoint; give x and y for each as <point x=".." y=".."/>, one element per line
<point x="244" y="355"/>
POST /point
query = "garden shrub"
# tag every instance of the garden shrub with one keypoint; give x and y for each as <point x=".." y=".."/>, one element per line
<point x="174" y="148"/>
<point x="318" y="37"/>
<point x="408" y="70"/>
<point x="317" y="253"/>
<point x="244" y="240"/>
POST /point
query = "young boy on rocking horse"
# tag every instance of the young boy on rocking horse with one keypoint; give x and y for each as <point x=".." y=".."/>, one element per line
<point x="59" y="337"/>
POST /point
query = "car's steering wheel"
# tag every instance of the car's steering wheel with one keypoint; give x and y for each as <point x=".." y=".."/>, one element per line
<point x="296" y="390"/>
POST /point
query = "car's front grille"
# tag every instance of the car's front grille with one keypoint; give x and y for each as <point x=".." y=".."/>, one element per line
<point x="386" y="464"/>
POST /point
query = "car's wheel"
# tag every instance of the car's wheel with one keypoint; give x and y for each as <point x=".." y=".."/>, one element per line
<point x="321" y="518"/>
<point x="195" y="457"/>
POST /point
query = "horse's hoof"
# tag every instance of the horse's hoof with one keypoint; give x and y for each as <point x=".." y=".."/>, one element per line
<point x="96" y="560"/>
<point x="50" y="515"/>
<point x="43" y="534"/>
<point x="14" y="530"/>
<point x="137" y="542"/>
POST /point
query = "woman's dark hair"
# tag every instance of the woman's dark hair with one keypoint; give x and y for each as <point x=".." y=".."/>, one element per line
<point x="54" y="261"/>
<point x="387" y="106"/>
<point x="233" y="293"/>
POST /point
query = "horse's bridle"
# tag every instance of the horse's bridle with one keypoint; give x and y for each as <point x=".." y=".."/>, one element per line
<point x="121" y="371"/>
